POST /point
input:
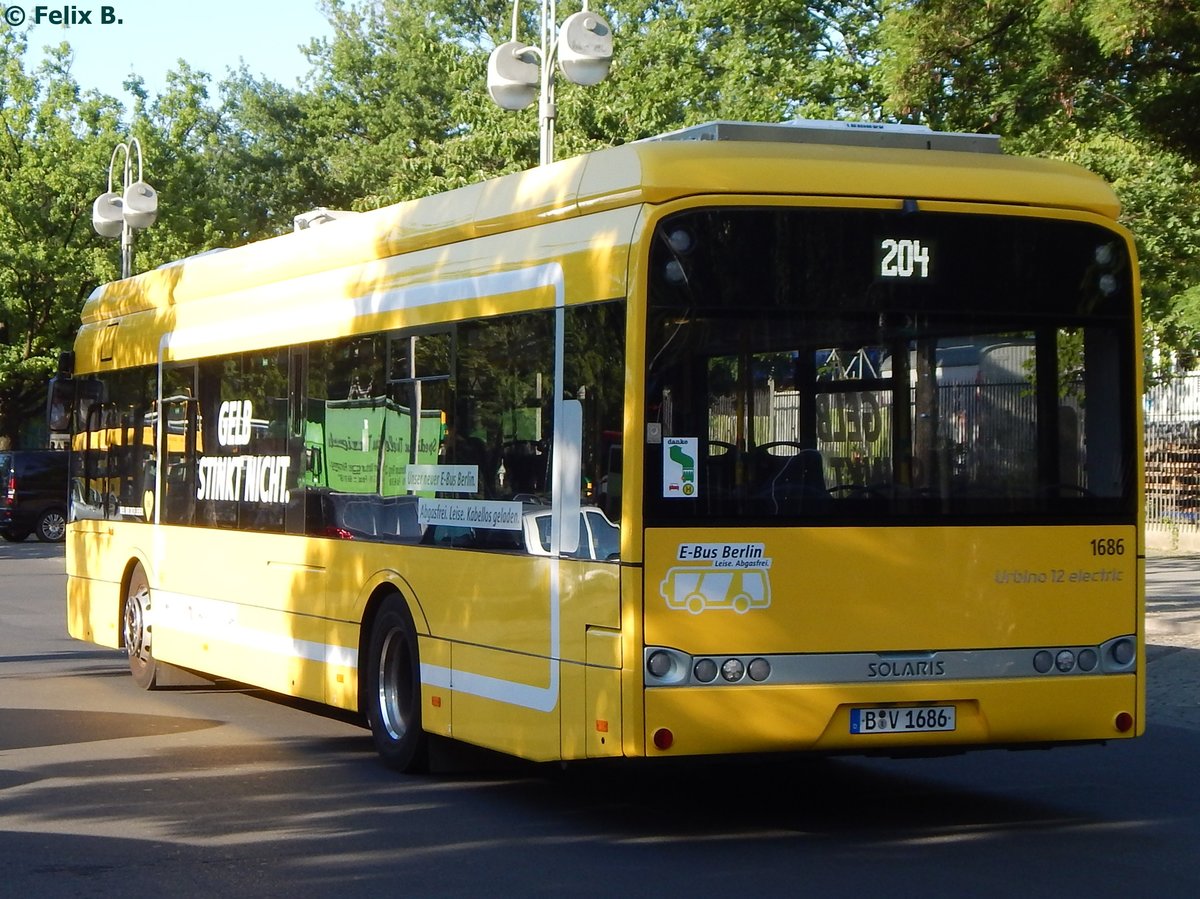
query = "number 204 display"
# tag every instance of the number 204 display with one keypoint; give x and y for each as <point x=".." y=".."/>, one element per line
<point x="904" y="259"/>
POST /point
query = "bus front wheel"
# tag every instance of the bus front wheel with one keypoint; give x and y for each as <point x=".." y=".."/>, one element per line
<point x="393" y="689"/>
<point x="137" y="630"/>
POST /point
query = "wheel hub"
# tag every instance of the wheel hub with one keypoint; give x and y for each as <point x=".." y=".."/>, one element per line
<point x="137" y="635"/>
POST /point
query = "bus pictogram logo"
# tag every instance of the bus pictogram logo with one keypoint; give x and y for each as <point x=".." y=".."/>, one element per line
<point x="701" y="589"/>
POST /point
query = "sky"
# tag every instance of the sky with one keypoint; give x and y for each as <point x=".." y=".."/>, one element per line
<point x="117" y="37"/>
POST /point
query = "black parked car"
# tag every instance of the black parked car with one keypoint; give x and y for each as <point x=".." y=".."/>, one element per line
<point x="33" y="495"/>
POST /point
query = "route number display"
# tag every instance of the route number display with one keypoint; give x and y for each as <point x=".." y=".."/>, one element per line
<point x="903" y="259"/>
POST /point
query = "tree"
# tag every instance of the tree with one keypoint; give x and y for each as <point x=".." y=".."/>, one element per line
<point x="1106" y="83"/>
<point x="398" y="106"/>
<point x="56" y="143"/>
<point x="1152" y="46"/>
<point x="217" y="188"/>
<point x="384" y="104"/>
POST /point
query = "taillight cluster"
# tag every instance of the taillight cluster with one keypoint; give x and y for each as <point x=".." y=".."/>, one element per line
<point x="1114" y="657"/>
<point x="670" y="666"/>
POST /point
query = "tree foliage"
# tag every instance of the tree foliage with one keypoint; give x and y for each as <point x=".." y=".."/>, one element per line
<point x="53" y="142"/>
<point x="398" y="106"/>
<point x="1110" y="84"/>
<point x="395" y="106"/>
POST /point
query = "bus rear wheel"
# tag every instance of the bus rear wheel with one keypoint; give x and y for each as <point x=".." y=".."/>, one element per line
<point x="137" y="630"/>
<point x="393" y="688"/>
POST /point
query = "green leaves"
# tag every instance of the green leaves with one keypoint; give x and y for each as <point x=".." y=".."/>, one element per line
<point x="54" y="150"/>
<point x="395" y="106"/>
<point x="1110" y="84"/>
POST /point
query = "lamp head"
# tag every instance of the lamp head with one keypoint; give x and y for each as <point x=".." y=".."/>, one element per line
<point x="108" y="214"/>
<point x="585" y="47"/>
<point x="141" y="205"/>
<point x="513" y="75"/>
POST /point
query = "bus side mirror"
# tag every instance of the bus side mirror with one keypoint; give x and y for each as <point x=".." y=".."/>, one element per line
<point x="69" y="397"/>
<point x="60" y="404"/>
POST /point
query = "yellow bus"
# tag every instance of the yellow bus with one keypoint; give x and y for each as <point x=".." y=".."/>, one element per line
<point x="749" y="438"/>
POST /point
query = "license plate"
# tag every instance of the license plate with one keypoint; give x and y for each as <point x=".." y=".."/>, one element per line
<point x="913" y="719"/>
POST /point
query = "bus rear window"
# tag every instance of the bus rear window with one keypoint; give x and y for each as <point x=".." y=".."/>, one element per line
<point x="829" y="366"/>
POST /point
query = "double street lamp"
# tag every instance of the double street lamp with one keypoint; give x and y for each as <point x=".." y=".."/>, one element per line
<point x="518" y="72"/>
<point x="134" y="208"/>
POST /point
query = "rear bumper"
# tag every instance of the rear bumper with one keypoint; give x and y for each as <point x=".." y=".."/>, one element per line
<point x="706" y="721"/>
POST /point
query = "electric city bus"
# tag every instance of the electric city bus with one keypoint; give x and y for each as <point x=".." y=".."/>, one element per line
<point x="748" y="438"/>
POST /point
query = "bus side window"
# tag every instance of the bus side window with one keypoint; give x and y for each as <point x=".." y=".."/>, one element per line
<point x="594" y="371"/>
<point x="504" y="403"/>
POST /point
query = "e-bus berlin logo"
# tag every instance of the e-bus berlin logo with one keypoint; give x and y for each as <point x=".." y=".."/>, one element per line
<point x="735" y="577"/>
<point x="62" y="15"/>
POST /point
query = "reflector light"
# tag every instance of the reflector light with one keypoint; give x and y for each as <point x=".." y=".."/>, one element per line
<point x="659" y="664"/>
<point x="705" y="671"/>
<point x="759" y="670"/>
<point x="1124" y="723"/>
<point x="733" y="670"/>
<point x="1123" y="652"/>
<point x="663" y="739"/>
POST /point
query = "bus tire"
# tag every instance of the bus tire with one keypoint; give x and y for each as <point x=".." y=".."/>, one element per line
<point x="393" y="689"/>
<point x="137" y="631"/>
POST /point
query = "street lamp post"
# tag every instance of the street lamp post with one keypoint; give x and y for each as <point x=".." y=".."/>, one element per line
<point x="135" y="208"/>
<point x="517" y="72"/>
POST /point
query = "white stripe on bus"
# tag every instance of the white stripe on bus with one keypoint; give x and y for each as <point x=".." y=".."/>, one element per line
<point x="541" y="699"/>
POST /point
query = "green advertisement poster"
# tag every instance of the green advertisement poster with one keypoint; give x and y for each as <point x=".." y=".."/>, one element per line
<point x="364" y="446"/>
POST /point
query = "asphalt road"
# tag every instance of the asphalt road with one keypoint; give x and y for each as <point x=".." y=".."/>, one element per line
<point x="105" y="789"/>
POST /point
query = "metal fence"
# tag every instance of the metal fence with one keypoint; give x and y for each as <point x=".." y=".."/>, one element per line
<point x="993" y="427"/>
<point x="983" y="431"/>
<point x="1172" y="434"/>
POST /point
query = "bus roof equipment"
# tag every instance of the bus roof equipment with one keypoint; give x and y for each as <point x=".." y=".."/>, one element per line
<point x="850" y="134"/>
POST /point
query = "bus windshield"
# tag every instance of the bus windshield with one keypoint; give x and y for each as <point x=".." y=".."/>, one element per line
<point x="841" y="365"/>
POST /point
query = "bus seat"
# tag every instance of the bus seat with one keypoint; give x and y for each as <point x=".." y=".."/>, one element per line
<point x="398" y="520"/>
<point x="360" y="517"/>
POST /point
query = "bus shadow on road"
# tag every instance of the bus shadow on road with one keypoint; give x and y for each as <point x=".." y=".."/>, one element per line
<point x="30" y="728"/>
<point x="319" y="813"/>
